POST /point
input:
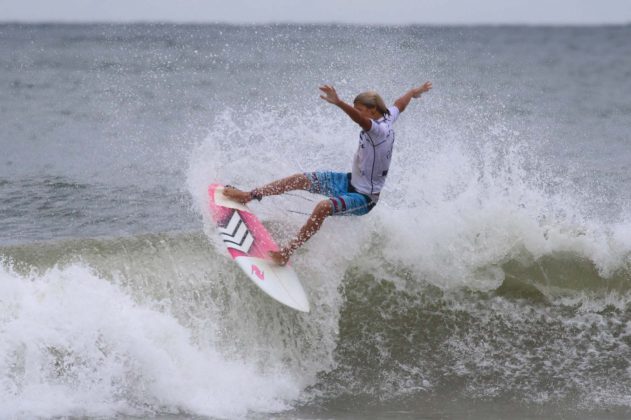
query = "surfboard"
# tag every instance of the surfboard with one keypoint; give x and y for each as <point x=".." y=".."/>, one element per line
<point x="249" y="243"/>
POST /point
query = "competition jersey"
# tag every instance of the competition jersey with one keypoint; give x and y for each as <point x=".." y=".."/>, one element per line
<point x="372" y="159"/>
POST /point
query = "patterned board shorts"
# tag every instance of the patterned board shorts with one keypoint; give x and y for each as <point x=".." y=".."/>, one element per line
<point x="337" y="186"/>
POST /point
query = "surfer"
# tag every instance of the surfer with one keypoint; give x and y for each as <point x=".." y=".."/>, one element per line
<point x="353" y="193"/>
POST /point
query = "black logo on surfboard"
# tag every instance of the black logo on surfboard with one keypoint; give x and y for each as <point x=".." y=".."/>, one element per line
<point x="236" y="235"/>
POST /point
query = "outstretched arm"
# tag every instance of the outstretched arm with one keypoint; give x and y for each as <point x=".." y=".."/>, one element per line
<point x="330" y="95"/>
<point x="404" y="100"/>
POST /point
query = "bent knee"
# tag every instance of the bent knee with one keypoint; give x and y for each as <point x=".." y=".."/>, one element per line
<point x="300" y="181"/>
<point x="324" y="208"/>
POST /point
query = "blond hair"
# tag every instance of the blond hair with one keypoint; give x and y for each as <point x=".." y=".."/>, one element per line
<point x="371" y="99"/>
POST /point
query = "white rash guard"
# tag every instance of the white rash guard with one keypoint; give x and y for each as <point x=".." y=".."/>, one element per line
<point x="372" y="159"/>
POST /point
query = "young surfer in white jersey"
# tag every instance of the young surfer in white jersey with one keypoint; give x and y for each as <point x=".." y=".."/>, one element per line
<point x="354" y="193"/>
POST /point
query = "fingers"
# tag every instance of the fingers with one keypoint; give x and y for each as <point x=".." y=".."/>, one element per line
<point x="329" y="93"/>
<point x="422" y="89"/>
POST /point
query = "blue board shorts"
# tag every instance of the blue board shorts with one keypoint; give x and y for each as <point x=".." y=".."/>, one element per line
<point x="344" y="198"/>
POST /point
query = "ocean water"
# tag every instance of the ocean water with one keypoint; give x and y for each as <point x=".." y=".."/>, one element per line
<point x="492" y="280"/>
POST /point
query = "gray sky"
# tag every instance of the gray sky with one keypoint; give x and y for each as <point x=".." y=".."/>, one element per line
<point x="322" y="11"/>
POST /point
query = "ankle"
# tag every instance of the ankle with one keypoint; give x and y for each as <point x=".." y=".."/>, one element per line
<point x="255" y="194"/>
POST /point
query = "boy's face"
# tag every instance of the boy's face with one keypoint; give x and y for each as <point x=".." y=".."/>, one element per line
<point x="370" y="113"/>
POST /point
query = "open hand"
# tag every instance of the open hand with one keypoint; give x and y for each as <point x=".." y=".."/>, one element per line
<point x="416" y="92"/>
<point x="330" y="95"/>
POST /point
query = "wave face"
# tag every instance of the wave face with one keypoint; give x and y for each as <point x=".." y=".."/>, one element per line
<point x="166" y="324"/>
<point x="493" y="277"/>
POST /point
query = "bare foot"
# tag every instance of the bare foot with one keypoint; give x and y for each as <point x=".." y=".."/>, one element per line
<point x="280" y="257"/>
<point x="237" y="195"/>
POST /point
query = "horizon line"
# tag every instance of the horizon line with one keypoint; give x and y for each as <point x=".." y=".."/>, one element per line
<point x="323" y="23"/>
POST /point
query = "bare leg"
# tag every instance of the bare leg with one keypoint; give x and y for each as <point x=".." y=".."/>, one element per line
<point x="322" y="210"/>
<point x="293" y="182"/>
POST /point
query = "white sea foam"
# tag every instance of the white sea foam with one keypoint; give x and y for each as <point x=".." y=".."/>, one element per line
<point x="74" y="344"/>
<point x="459" y="213"/>
<point x="453" y="209"/>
